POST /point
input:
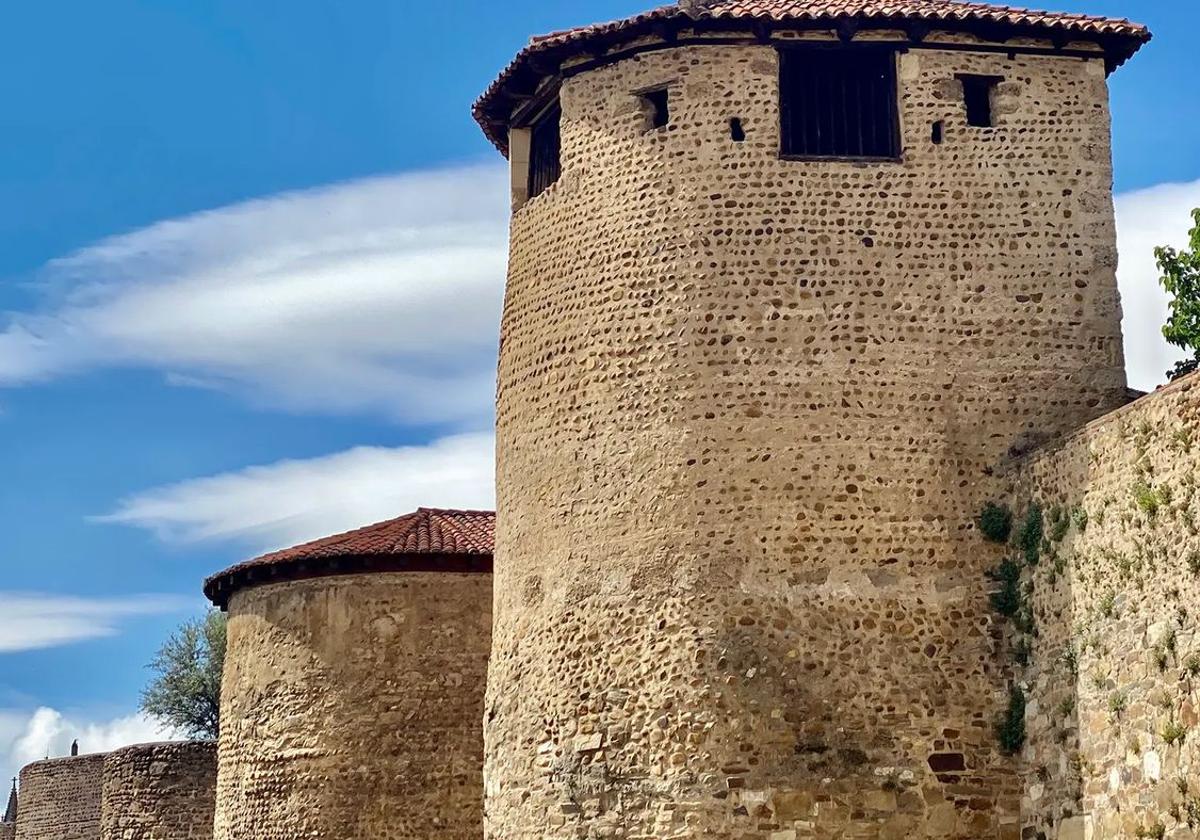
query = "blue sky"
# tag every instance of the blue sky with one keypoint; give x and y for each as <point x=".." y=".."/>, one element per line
<point x="249" y="286"/>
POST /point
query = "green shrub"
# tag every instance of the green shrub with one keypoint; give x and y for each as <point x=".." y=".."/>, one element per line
<point x="1174" y="733"/>
<point x="1007" y="599"/>
<point x="1029" y="538"/>
<point x="995" y="523"/>
<point x="1148" y="501"/>
<point x="1010" y="730"/>
<point x="1080" y="517"/>
<point x="1108" y="605"/>
<point x="1060" y="523"/>
<point x="1117" y="703"/>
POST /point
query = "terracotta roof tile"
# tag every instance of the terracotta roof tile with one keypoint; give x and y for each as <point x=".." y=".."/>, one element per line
<point x="428" y="539"/>
<point x="1120" y="38"/>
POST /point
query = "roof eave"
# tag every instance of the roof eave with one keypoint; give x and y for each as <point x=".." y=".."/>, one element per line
<point x="543" y="57"/>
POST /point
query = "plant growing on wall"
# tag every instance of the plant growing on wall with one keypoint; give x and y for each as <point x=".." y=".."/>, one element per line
<point x="1181" y="278"/>
<point x="1010" y="731"/>
<point x="1029" y="537"/>
<point x="995" y="523"/>
<point x="185" y="692"/>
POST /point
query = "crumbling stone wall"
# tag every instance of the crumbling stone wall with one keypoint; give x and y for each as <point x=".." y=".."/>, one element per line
<point x="746" y="410"/>
<point x="159" y="792"/>
<point x="8" y="831"/>
<point x="351" y="708"/>
<point x="60" y="799"/>
<point x="1110" y="633"/>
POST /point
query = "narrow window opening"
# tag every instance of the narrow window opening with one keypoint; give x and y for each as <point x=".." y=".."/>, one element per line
<point x="736" y="132"/>
<point x="545" y="142"/>
<point x="939" y="132"/>
<point x="656" y="105"/>
<point x="839" y="102"/>
<point x="977" y="96"/>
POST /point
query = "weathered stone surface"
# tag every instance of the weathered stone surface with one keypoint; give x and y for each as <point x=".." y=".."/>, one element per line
<point x="351" y="709"/>
<point x="159" y="792"/>
<point x="60" y="799"/>
<point x="747" y="412"/>
<point x="1115" y="661"/>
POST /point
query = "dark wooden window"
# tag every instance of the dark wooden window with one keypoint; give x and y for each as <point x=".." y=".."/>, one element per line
<point x="977" y="96"/>
<point x="545" y="143"/>
<point x="839" y="102"/>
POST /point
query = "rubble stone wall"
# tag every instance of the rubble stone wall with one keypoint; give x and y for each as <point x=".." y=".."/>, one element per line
<point x="746" y="412"/>
<point x="351" y="707"/>
<point x="8" y="831"/>
<point x="1112" y="639"/>
<point x="60" y="799"/>
<point x="159" y="792"/>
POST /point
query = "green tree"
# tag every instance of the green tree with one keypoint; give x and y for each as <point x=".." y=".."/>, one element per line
<point x="185" y="692"/>
<point x="1181" y="278"/>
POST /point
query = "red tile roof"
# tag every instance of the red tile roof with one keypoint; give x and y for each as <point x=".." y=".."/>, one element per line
<point x="1120" y="38"/>
<point x="427" y="540"/>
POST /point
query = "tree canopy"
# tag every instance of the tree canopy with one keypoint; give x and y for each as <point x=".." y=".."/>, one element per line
<point x="185" y="692"/>
<point x="1181" y="278"/>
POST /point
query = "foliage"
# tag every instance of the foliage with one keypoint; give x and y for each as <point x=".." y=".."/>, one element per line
<point x="1155" y="831"/>
<point x="1117" y="703"/>
<point x="1080" y="517"/>
<point x="185" y="692"/>
<point x="1029" y="537"/>
<point x="1007" y="599"/>
<point x="1174" y="733"/>
<point x="1181" y="278"/>
<point x="1149" y="501"/>
<point x="1010" y="731"/>
<point x="995" y="523"/>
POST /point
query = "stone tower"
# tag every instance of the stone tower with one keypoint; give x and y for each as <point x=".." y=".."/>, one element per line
<point x="787" y="278"/>
<point x="353" y="687"/>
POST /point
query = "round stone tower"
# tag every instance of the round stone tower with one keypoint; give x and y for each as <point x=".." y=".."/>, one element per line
<point x="353" y="688"/>
<point x="787" y="279"/>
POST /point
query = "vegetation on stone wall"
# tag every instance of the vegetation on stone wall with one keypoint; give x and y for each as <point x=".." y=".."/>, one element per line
<point x="995" y="523"/>
<point x="185" y="692"/>
<point x="1181" y="278"/>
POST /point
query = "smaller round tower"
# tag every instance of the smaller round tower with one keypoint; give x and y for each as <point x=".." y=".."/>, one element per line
<point x="158" y="791"/>
<point x="60" y="799"/>
<point x="353" y="686"/>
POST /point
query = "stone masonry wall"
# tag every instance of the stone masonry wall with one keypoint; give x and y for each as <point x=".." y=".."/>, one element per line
<point x="1109" y="626"/>
<point x="351" y="708"/>
<point x="159" y="792"/>
<point x="60" y="799"/>
<point x="8" y="831"/>
<point x="746" y="412"/>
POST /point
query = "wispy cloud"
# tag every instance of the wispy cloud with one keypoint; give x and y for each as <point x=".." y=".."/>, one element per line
<point x="381" y="295"/>
<point x="32" y="621"/>
<point x="1160" y="215"/>
<point x="31" y="736"/>
<point x="293" y="501"/>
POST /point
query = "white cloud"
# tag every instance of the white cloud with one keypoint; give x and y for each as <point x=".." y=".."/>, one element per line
<point x="378" y="295"/>
<point x="31" y="736"/>
<point x="294" y="501"/>
<point x="32" y="621"/>
<point x="1160" y="215"/>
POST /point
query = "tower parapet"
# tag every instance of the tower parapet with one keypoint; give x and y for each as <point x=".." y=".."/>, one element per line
<point x="787" y="279"/>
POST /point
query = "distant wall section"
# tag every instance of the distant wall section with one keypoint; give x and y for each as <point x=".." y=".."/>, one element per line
<point x="60" y="799"/>
<point x="1110" y="626"/>
<point x="159" y="792"/>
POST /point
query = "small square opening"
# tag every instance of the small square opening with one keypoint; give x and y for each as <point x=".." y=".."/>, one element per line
<point x="656" y="107"/>
<point x="977" y="96"/>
